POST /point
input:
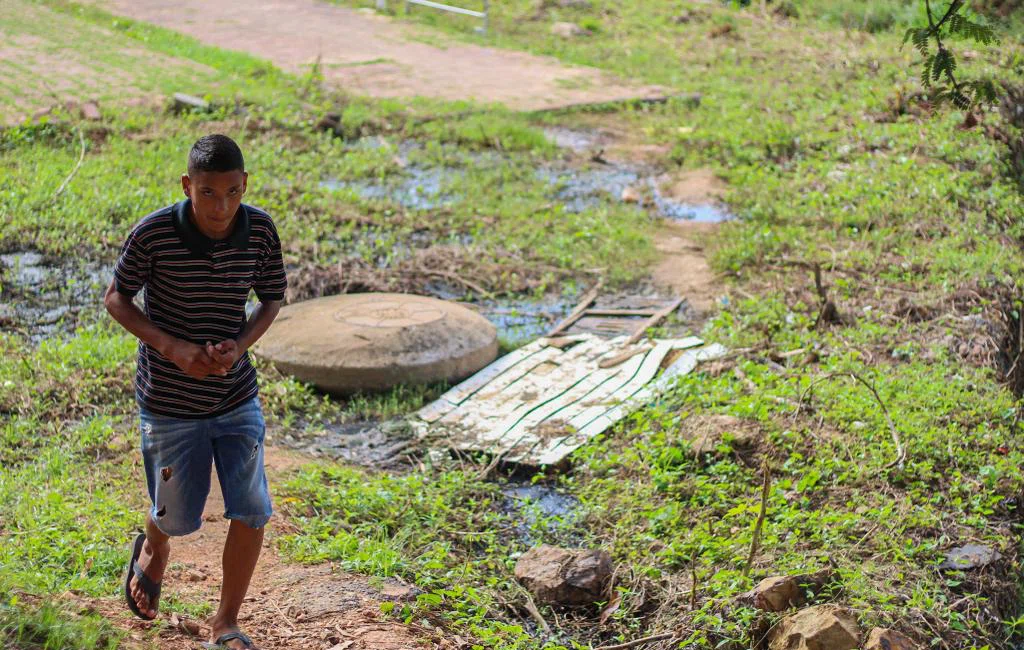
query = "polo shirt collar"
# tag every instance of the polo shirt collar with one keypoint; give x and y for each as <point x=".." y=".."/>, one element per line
<point x="199" y="243"/>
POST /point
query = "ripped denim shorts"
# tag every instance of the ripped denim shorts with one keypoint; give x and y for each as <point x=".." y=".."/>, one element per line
<point x="178" y="454"/>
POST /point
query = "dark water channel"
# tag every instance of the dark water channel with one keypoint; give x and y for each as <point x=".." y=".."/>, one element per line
<point x="42" y="298"/>
<point x="542" y="513"/>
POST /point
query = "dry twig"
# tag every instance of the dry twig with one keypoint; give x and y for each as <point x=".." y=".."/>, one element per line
<point x="535" y="613"/>
<point x="638" y="642"/>
<point x="472" y="286"/>
<point x="78" y="165"/>
<point x="901" y="452"/>
<point x="756" y="541"/>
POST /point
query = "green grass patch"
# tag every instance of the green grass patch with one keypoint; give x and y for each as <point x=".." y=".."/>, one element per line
<point x="832" y="158"/>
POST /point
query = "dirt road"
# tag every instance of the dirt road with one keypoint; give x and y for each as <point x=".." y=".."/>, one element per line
<point x="373" y="55"/>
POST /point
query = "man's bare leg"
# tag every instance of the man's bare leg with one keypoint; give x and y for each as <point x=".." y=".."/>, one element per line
<point x="153" y="560"/>
<point x="241" y="552"/>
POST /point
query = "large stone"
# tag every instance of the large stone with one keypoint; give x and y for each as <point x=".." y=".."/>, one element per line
<point x="882" y="639"/>
<point x="558" y="576"/>
<point x="374" y="341"/>
<point x="825" y="627"/>
<point x="775" y="594"/>
<point x="779" y="593"/>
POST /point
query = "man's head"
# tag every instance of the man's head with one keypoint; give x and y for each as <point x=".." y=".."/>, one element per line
<point x="216" y="181"/>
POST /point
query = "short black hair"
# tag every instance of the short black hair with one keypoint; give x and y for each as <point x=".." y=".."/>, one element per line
<point x="215" y="153"/>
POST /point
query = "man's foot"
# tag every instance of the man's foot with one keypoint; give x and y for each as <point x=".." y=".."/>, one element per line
<point x="220" y="630"/>
<point x="153" y="561"/>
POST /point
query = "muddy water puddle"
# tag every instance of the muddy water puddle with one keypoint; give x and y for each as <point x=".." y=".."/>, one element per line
<point x="542" y="512"/>
<point x="41" y="298"/>
<point x="521" y="320"/>
<point x="421" y="186"/>
<point x="417" y="188"/>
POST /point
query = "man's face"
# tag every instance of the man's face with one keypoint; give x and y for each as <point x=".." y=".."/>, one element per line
<point x="215" y="199"/>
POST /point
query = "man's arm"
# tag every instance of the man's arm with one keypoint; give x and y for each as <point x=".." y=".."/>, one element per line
<point x="259" y="322"/>
<point x="193" y="359"/>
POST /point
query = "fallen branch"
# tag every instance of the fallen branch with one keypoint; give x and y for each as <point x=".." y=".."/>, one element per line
<point x="638" y="642"/>
<point x="693" y="582"/>
<point x="458" y="278"/>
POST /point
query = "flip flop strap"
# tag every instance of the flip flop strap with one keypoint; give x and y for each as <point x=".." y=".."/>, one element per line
<point x="231" y="636"/>
<point x="151" y="588"/>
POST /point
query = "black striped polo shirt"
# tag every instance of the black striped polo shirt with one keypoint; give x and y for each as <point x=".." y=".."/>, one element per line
<point x="196" y="289"/>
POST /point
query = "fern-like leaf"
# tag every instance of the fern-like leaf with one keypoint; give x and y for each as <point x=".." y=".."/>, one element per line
<point x="926" y="71"/>
<point x="920" y="40"/>
<point x="944" y="63"/>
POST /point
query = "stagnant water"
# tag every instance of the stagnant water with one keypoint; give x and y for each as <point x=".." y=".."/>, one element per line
<point x="543" y="512"/>
<point x="42" y="298"/>
<point x="424" y="187"/>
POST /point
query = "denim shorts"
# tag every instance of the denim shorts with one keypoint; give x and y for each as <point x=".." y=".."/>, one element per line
<point x="178" y="454"/>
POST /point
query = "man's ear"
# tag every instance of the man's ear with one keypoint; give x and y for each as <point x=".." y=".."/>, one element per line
<point x="186" y="185"/>
<point x="245" y="181"/>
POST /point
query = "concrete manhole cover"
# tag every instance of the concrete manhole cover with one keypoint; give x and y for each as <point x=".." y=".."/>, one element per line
<point x="388" y="313"/>
<point x="374" y="341"/>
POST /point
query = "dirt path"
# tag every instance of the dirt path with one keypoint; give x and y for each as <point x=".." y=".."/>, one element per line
<point x="683" y="265"/>
<point x="40" y="65"/>
<point x="289" y="606"/>
<point x="373" y="55"/>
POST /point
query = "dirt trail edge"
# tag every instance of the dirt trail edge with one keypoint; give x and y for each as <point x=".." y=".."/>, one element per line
<point x="373" y="55"/>
<point x="289" y="606"/>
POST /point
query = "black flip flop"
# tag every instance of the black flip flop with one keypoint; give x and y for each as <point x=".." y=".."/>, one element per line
<point x="150" y="588"/>
<point x="221" y="642"/>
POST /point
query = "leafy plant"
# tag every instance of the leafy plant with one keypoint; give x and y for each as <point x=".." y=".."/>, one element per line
<point x="940" y="63"/>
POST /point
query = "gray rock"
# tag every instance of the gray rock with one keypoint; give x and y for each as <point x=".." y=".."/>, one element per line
<point x="969" y="556"/>
<point x="91" y="111"/>
<point x="182" y="103"/>
<point x="631" y="195"/>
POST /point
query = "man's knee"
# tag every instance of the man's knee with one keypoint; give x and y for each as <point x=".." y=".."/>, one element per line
<point x="174" y="522"/>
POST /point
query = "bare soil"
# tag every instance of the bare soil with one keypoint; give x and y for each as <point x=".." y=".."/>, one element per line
<point x="372" y="55"/>
<point x="683" y="264"/>
<point x="289" y="606"/>
<point x="43" y="68"/>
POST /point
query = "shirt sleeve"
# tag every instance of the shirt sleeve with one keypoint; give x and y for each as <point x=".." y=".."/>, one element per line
<point x="271" y="280"/>
<point x="131" y="272"/>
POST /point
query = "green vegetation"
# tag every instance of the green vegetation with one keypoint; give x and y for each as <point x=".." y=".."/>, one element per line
<point x="834" y="160"/>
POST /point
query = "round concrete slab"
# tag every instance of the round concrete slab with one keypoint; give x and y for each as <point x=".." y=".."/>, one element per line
<point x="373" y="341"/>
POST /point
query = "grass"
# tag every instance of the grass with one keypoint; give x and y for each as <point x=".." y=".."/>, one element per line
<point x="50" y="626"/>
<point x="832" y="159"/>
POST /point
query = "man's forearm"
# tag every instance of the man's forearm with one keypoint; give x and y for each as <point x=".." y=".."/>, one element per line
<point x="259" y="322"/>
<point x="124" y="311"/>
